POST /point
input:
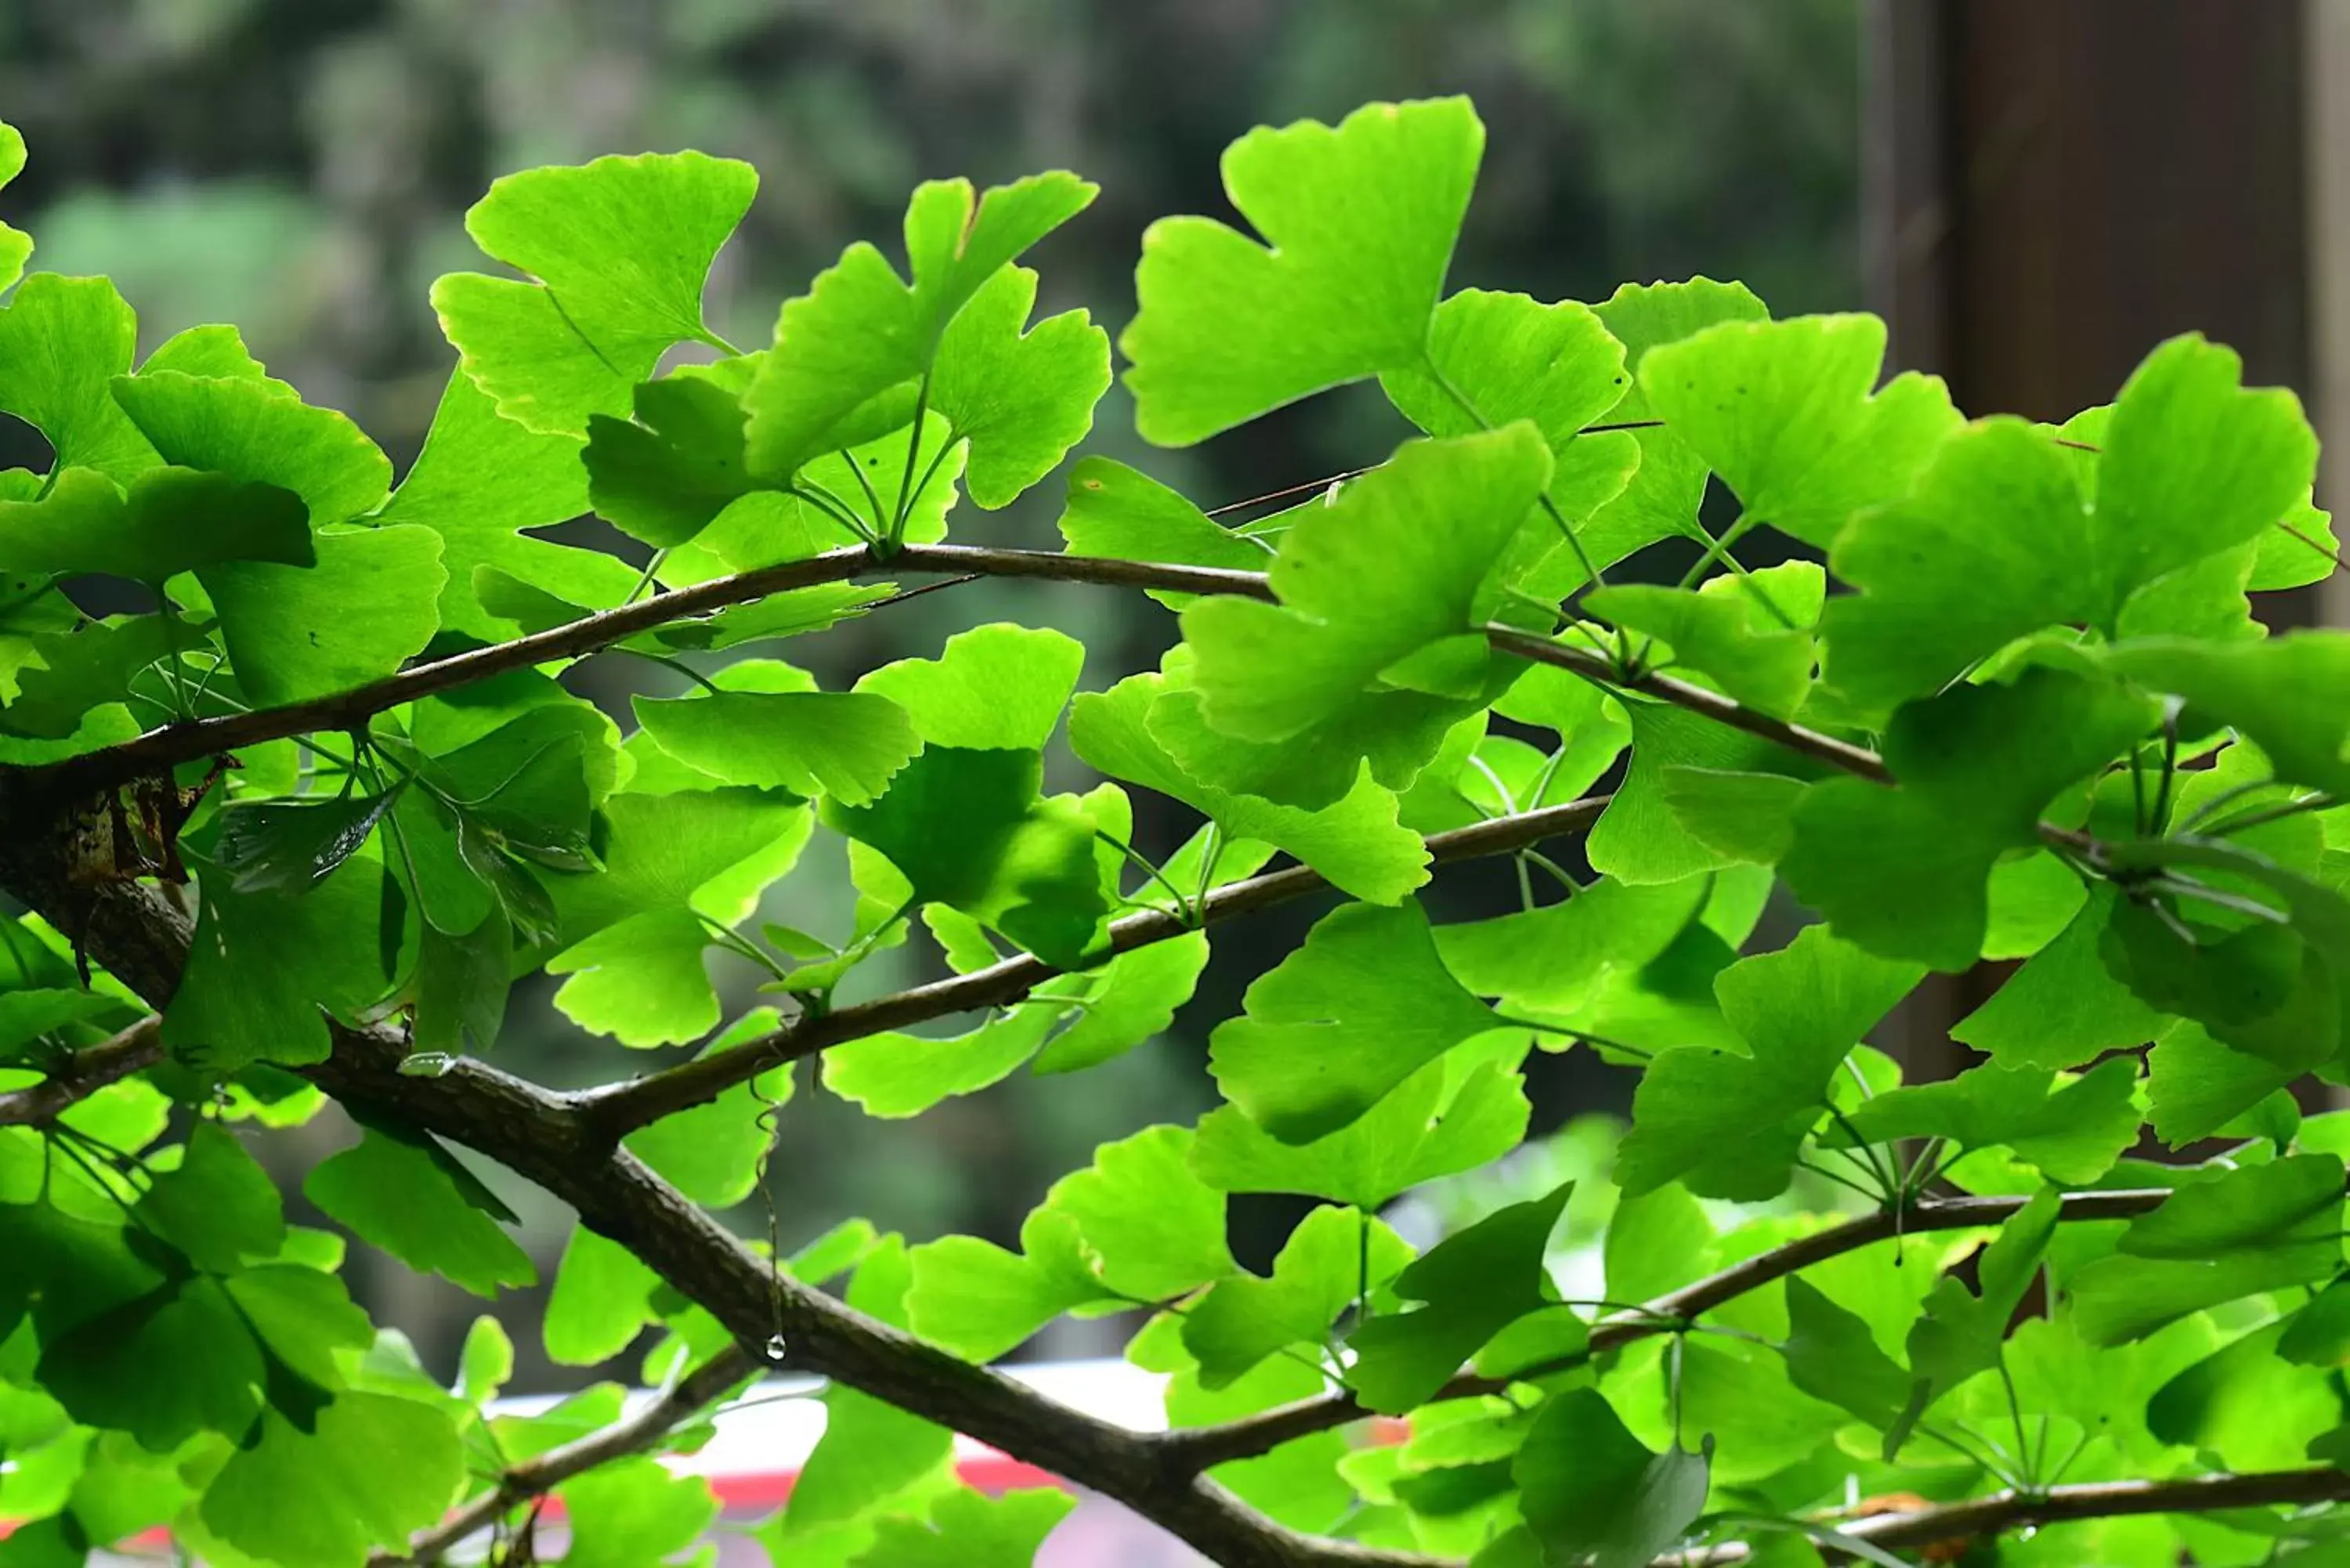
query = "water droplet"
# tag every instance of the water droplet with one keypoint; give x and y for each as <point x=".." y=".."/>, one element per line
<point x="777" y="1348"/>
<point x="426" y="1064"/>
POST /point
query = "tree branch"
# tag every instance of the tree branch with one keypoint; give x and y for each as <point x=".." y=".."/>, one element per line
<point x="2101" y="1500"/>
<point x="84" y="1074"/>
<point x="142" y="940"/>
<point x="190" y="740"/>
<point x="193" y="739"/>
<point x="536" y="1478"/>
<point x="616" y="1110"/>
<point x="1840" y="755"/>
<point x="1203" y="1447"/>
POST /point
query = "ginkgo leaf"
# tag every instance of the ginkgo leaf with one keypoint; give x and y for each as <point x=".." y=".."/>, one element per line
<point x="1447" y="1117"/>
<point x="1662" y="497"/>
<point x="72" y="672"/>
<point x="1022" y="396"/>
<point x="15" y="244"/>
<point x="1747" y="634"/>
<point x="1728" y="1125"/>
<point x="1398" y="561"/>
<point x="969" y="828"/>
<point x="1976" y="766"/>
<point x="844" y="746"/>
<point x="1331" y="1257"/>
<point x="62" y="342"/>
<point x="2002" y="508"/>
<point x="998" y="687"/>
<point x="1496" y="358"/>
<point x="1593" y="1493"/>
<point x="715" y="1153"/>
<point x="1357" y="842"/>
<point x="1553" y="959"/>
<point x="170" y="520"/>
<point x="1362" y="1006"/>
<point x="1116" y="511"/>
<point x="861" y="331"/>
<point x="2195" y="1085"/>
<point x="1474" y="1283"/>
<point x="481" y="480"/>
<point x="1125" y="1002"/>
<point x="643" y="981"/>
<point x="2274" y="693"/>
<point x="890" y="1075"/>
<point x="1643" y="838"/>
<point x="217" y="1205"/>
<point x="262" y="965"/>
<point x="1136" y="1226"/>
<point x="2259" y="1227"/>
<point x="1386" y="733"/>
<point x="1358" y="224"/>
<point x="620" y="248"/>
<point x="662" y="475"/>
<point x="980" y="1301"/>
<point x="2064" y="1007"/>
<point x="2072" y="1133"/>
<point x="1961" y="1331"/>
<point x="634" y="1512"/>
<point x="377" y="1468"/>
<point x="215" y="349"/>
<point x="401" y="1196"/>
<point x="369" y="604"/>
<point x="1152" y="1229"/>
<point x="247" y="429"/>
<point x="1782" y="412"/>
<point x="969" y="1530"/>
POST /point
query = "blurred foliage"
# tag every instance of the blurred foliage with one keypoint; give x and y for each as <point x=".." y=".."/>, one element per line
<point x="303" y="167"/>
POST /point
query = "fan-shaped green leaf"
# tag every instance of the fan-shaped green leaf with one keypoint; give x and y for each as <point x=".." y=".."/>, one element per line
<point x="1662" y="497"/>
<point x="1022" y="396"/>
<point x="15" y="244"/>
<point x="1398" y="562"/>
<point x="1358" y="224"/>
<point x="294" y="632"/>
<point x="1730" y="1126"/>
<point x="1782" y="412"/>
<point x="1474" y="1283"/>
<point x="861" y="331"/>
<point x="251" y="431"/>
<point x="377" y="1468"/>
<point x="620" y="249"/>
<point x="1334" y="1257"/>
<point x="62" y="342"/>
<point x="1362" y="1006"/>
<point x="1976" y="766"/>
<point x="172" y="520"/>
<point x="398" y="1196"/>
<point x="1357" y="842"/>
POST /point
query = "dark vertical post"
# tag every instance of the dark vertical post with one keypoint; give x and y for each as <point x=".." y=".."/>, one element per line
<point x="2052" y="187"/>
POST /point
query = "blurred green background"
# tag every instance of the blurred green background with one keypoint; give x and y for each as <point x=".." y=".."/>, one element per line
<point x="302" y="168"/>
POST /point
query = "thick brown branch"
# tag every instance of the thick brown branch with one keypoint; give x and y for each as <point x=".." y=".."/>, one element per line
<point x="142" y="938"/>
<point x="84" y="1074"/>
<point x="646" y="1429"/>
<point x="621" y="1108"/>
<point x="1203" y="1447"/>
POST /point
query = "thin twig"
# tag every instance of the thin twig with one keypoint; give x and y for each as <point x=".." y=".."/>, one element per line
<point x="1203" y="1447"/>
<point x="647" y="1429"/>
<point x="620" y="1108"/>
<point x="83" y="1073"/>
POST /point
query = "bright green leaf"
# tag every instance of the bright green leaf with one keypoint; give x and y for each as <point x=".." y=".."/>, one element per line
<point x="1362" y="1006"/>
